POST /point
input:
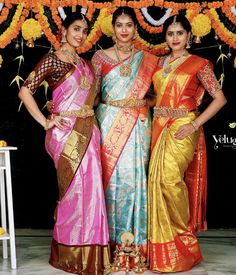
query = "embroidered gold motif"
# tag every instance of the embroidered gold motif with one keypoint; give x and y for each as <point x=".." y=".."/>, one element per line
<point x="166" y="111"/>
<point x="31" y="76"/>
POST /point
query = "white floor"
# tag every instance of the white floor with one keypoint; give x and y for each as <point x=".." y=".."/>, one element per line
<point x="33" y="248"/>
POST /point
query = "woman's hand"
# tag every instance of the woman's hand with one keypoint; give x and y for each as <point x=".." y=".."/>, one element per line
<point x="185" y="130"/>
<point x="57" y="121"/>
<point x="50" y="106"/>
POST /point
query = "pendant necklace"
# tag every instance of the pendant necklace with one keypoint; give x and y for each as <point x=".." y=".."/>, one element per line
<point x="168" y="67"/>
<point x="125" y="68"/>
<point x="74" y="60"/>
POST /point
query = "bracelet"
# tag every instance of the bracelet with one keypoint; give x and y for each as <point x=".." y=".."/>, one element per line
<point x="46" y="127"/>
<point x="194" y="124"/>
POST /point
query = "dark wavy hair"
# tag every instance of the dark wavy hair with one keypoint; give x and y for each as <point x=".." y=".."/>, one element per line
<point x="178" y="19"/>
<point x="71" y="18"/>
<point x="124" y="10"/>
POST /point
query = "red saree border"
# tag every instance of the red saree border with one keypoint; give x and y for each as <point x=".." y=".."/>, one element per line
<point x="178" y="255"/>
<point x="126" y="119"/>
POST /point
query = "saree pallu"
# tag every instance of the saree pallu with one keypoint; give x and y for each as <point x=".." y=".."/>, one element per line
<point x="125" y="172"/>
<point x="80" y="236"/>
<point x="174" y="197"/>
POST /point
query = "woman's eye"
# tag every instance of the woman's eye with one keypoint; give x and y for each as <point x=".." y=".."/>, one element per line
<point x="180" y="32"/>
<point x="170" y="34"/>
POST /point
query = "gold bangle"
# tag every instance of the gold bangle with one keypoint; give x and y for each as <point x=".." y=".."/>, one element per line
<point x="46" y="127"/>
<point x="194" y="124"/>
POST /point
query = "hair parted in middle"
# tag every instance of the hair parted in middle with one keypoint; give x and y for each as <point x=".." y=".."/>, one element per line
<point x="124" y="11"/>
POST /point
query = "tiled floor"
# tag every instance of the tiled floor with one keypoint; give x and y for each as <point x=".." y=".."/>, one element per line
<point x="33" y="248"/>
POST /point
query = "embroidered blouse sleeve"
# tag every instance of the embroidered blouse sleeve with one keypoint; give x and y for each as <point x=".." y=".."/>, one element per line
<point x="208" y="79"/>
<point x="39" y="74"/>
<point x="97" y="64"/>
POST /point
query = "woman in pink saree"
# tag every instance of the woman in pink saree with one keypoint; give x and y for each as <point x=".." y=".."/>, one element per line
<point x="80" y="237"/>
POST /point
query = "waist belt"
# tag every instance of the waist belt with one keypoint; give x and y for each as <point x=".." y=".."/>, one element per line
<point x="85" y="111"/>
<point x="126" y="103"/>
<point x="165" y="111"/>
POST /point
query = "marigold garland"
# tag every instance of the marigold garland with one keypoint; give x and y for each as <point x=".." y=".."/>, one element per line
<point x="141" y="44"/>
<point x="46" y="27"/>
<point x="226" y="9"/>
<point x="223" y="33"/>
<point x="192" y="11"/>
<point x="4" y="14"/>
<point x="106" y="24"/>
<point x="94" y="34"/>
<point x="12" y="31"/>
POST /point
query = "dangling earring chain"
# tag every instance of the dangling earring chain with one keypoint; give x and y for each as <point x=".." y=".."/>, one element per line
<point x="74" y="60"/>
<point x="125" y="68"/>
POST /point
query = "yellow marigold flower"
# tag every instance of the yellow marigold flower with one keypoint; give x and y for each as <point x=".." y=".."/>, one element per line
<point x="31" y="29"/>
<point x="106" y="26"/>
<point x="201" y="25"/>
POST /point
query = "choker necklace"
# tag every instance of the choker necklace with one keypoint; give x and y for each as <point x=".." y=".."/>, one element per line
<point x="167" y="67"/>
<point x="124" y="48"/>
<point x="125" y="68"/>
<point x="74" y="59"/>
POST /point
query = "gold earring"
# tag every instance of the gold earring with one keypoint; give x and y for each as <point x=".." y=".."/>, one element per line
<point x="114" y="38"/>
<point x="134" y="36"/>
<point x="63" y="38"/>
<point x="188" y="45"/>
<point x="167" y="48"/>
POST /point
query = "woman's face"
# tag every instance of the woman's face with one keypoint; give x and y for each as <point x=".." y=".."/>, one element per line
<point x="177" y="37"/>
<point x="124" y="28"/>
<point x="77" y="33"/>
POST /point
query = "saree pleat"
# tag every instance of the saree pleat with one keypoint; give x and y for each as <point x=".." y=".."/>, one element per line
<point x="172" y="246"/>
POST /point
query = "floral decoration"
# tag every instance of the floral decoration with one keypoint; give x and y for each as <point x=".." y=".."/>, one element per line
<point x="31" y="29"/>
<point x="201" y="25"/>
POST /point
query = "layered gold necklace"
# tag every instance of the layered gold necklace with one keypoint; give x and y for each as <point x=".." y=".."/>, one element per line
<point x="125" y="68"/>
<point x="74" y="59"/>
<point x="169" y="67"/>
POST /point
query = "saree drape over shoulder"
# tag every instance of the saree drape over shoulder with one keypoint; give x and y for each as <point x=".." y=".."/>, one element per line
<point x="177" y="171"/>
<point x="125" y="143"/>
<point x="80" y="236"/>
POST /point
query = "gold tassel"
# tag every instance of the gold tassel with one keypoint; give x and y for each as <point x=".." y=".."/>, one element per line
<point x="30" y="43"/>
<point x="73" y="8"/>
<point x="197" y="39"/>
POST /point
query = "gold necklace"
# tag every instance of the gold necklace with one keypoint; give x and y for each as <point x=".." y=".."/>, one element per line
<point x="167" y="67"/>
<point x="125" y="68"/>
<point x="74" y="60"/>
<point x="124" y="48"/>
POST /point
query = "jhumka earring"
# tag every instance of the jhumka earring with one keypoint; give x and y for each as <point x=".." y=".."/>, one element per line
<point x="167" y="48"/>
<point x="114" y="39"/>
<point x="63" y="38"/>
<point x="134" y="36"/>
<point x="188" y="45"/>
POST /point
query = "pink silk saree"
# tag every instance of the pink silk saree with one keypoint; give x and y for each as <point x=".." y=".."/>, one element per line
<point x="80" y="236"/>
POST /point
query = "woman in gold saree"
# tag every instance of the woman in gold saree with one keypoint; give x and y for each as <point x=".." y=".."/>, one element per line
<point x="177" y="170"/>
